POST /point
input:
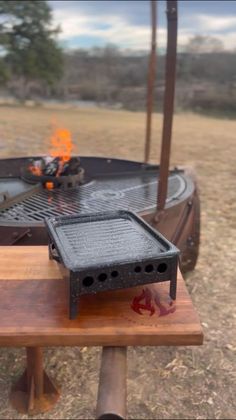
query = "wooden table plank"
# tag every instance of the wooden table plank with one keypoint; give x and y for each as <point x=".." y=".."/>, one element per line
<point x="34" y="309"/>
<point x="27" y="263"/>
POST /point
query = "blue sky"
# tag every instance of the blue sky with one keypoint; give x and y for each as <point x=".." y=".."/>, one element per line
<point x="85" y="24"/>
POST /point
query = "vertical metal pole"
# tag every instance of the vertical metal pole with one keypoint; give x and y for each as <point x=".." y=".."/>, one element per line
<point x="111" y="403"/>
<point x="151" y="81"/>
<point x="168" y="103"/>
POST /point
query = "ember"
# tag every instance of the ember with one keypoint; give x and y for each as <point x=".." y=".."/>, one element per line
<point x="49" y="186"/>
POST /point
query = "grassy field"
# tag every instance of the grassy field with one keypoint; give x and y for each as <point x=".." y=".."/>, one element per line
<point x="181" y="383"/>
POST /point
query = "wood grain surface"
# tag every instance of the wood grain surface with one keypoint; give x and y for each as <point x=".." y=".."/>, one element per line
<point x="34" y="309"/>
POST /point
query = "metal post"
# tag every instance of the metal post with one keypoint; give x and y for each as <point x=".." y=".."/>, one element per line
<point x="35" y="369"/>
<point x="168" y="103"/>
<point x="34" y="392"/>
<point x="111" y="403"/>
<point x="151" y="81"/>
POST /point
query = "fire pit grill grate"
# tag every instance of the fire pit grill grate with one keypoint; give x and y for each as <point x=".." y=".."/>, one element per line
<point x="135" y="193"/>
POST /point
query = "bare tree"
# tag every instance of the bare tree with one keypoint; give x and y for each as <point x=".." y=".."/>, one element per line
<point x="201" y="44"/>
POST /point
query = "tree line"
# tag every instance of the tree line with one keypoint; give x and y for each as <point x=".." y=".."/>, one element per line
<point x="32" y="65"/>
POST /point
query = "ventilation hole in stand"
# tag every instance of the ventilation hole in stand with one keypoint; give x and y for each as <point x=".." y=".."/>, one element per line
<point x="137" y="269"/>
<point x="102" y="277"/>
<point x="88" y="281"/>
<point x="52" y="246"/>
<point x="114" y="274"/>
<point x="162" y="268"/>
<point x="149" y="268"/>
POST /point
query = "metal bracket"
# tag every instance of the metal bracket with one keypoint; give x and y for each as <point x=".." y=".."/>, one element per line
<point x="171" y="10"/>
<point x="4" y="196"/>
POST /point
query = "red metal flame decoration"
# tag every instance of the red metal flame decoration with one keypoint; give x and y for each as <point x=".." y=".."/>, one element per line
<point x="150" y="301"/>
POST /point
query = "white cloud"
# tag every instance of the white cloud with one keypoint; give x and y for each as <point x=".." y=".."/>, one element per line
<point x="215" y="23"/>
<point x="119" y="31"/>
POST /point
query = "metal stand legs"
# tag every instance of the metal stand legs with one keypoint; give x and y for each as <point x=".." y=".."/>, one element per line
<point x="34" y="392"/>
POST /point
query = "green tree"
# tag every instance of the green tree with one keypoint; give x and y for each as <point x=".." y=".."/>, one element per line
<point x="28" y="42"/>
<point x="4" y="72"/>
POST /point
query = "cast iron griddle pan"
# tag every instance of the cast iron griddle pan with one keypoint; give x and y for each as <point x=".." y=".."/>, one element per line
<point x="110" y="250"/>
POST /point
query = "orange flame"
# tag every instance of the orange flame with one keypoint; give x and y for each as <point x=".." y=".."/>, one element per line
<point x="62" y="144"/>
<point x="62" y="147"/>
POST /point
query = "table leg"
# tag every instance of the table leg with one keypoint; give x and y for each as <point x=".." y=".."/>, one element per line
<point x="34" y="392"/>
<point x="111" y="403"/>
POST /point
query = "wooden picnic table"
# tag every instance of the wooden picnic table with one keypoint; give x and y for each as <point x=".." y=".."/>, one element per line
<point x="34" y="313"/>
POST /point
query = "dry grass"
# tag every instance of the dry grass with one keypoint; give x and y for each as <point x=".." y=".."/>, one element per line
<point x="162" y="382"/>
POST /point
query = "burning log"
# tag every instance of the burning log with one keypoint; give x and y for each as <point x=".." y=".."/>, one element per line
<point x="55" y="167"/>
<point x="54" y="172"/>
<point x="71" y="167"/>
<point x="51" y="168"/>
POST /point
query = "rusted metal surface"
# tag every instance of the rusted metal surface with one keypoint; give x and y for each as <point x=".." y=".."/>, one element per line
<point x="19" y="235"/>
<point x="186" y="236"/>
<point x="151" y="81"/>
<point x="34" y="392"/>
<point x="111" y="402"/>
<point x="182" y="222"/>
<point x="168" y="103"/>
<point x="35" y="369"/>
<point x="190" y="237"/>
<point x="13" y="236"/>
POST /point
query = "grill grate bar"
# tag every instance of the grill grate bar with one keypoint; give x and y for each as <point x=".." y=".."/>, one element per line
<point x="135" y="193"/>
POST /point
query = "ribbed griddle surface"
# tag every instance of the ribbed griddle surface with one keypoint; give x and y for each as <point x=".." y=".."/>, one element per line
<point x="108" y="238"/>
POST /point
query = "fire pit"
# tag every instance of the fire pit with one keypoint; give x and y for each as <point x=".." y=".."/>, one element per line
<point x="110" y="250"/>
<point x="108" y="184"/>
